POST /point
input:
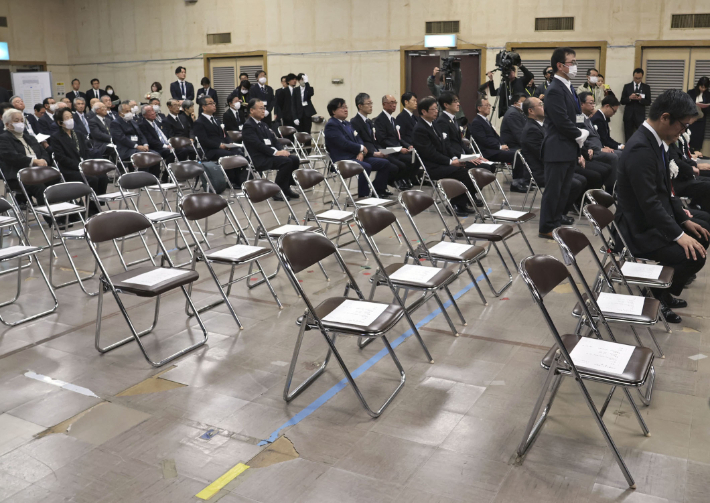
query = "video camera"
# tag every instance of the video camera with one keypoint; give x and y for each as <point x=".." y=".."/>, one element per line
<point x="448" y="66"/>
<point x="506" y="60"/>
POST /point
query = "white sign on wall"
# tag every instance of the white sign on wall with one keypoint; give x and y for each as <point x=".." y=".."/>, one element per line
<point x="33" y="87"/>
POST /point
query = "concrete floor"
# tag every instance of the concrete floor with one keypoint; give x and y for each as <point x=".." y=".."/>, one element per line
<point x="449" y="436"/>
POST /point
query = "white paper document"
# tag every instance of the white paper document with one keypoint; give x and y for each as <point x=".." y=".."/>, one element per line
<point x="155" y="276"/>
<point x="483" y="228"/>
<point x="604" y="356"/>
<point x="287" y="228"/>
<point x="335" y="214"/>
<point x="468" y="157"/>
<point x="646" y="271"/>
<point x="414" y="273"/>
<point x="447" y="249"/>
<point x="59" y="207"/>
<point x="41" y="137"/>
<point x="620" y="304"/>
<point x="508" y="214"/>
<point x="390" y="150"/>
<point x="356" y="312"/>
<point x="13" y="250"/>
<point x="6" y="220"/>
<point x="373" y="201"/>
<point x="161" y="215"/>
<point x="232" y="145"/>
<point x="236" y="252"/>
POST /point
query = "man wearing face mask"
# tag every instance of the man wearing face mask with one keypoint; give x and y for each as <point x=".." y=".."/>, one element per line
<point x="231" y="118"/>
<point x="594" y="86"/>
<point x="155" y="103"/>
<point x="263" y="93"/>
<point x="46" y="124"/>
<point x="135" y="110"/>
<point x="304" y="106"/>
<point x="241" y="92"/>
<point x="287" y="103"/>
<point x="563" y="139"/>
<point x="128" y="137"/>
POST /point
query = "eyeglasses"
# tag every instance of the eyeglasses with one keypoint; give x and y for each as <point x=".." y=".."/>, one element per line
<point x="685" y="126"/>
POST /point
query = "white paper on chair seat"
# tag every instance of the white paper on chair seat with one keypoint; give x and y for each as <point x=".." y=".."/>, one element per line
<point x="236" y="252"/>
<point x="354" y="312"/>
<point x="604" y="356"/>
<point x="414" y="273"/>
<point x="164" y="186"/>
<point x="335" y="214"/>
<point x="115" y="195"/>
<point x="59" y="207"/>
<point x="646" y="271"/>
<point x="483" y="228"/>
<point x="232" y="145"/>
<point x="373" y="201"/>
<point x="620" y="304"/>
<point x="447" y="249"/>
<point x="508" y="214"/>
<point x="161" y="215"/>
<point x="390" y="150"/>
<point x="74" y="234"/>
<point x="288" y="228"/>
<point x="155" y="276"/>
<point x="12" y="250"/>
<point x="467" y="157"/>
<point x="5" y="220"/>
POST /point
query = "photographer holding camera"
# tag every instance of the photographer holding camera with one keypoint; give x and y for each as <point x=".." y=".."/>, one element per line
<point x="511" y="84"/>
<point x="450" y="77"/>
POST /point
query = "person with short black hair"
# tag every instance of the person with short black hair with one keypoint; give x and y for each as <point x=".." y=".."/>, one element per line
<point x="177" y="123"/>
<point x="701" y="95"/>
<point x="407" y="118"/>
<point x="181" y="89"/>
<point x="242" y="92"/>
<point x="598" y="158"/>
<point x="95" y="91"/>
<point x="450" y="130"/>
<point x="264" y="93"/>
<point x="287" y="103"/>
<point x="600" y="120"/>
<point x="243" y="76"/>
<point x="277" y="116"/>
<point x="490" y="144"/>
<point x="635" y="97"/>
<point x="303" y="96"/>
<point x="388" y="135"/>
<point x="206" y="90"/>
<point x="512" y="85"/>
<point x="232" y="118"/>
<point x="513" y="122"/>
<point x="548" y="74"/>
<point x="46" y="124"/>
<point x="212" y="137"/>
<point x="75" y="93"/>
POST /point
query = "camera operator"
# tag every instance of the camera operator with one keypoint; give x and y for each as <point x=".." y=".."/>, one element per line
<point x="436" y="89"/>
<point x="512" y="84"/>
<point x="542" y="88"/>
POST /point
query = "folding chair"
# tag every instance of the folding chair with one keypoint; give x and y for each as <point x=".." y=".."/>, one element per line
<point x="195" y="207"/>
<point x="493" y="233"/>
<point x="299" y="251"/>
<point x="532" y="186"/>
<point x="302" y="141"/>
<point x="146" y="281"/>
<point x="429" y="281"/>
<point x="98" y="167"/>
<point x="183" y="172"/>
<point x="571" y="242"/>
<point x="18" y="252"/>
<point x="37" y="175"/>
<point x="180" y="142"/>
<point x="541" y="274"/>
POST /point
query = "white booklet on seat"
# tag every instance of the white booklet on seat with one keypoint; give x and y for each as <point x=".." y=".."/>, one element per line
<point x="155" y="276"/>
<point x="335" y="214"/>
<point x="508" y="214"/>
<point x="483" y="228"/>
<point x="236" y="252"/>
<point x="414" y="273"/>
<point x="373" y="201"/>
<point x="645" y="271"/>
<point x="356" y="312"/>
<point x="620" y="304"/>
<point x="288" y="228"/>
<point x="603" y="356"/>
<point x="448" y="249"/>
<point x="161" y="215"/>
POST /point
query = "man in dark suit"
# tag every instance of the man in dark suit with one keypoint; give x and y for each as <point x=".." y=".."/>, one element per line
<point x="46" y="124"/>
<point x="206" y="90"/>
<point x="277" y="99"/>
<point x="211" y="136"/>
<point x="34" y="118"/>
<point x="95" y="91"/>
<point x="155" y="103"/>
<point x="531" y="138"/>
<point x="287" y="103"/>
<point x="265" y="150"/>
<point x="513" y="122"/>
<point x="99" y="129"/>
<point x="407" y="118"/>
<point x="81" y="122"/>
<point x="343" y="143"/>
<point x="232" y="118"/>
<point x="303" y="95"/>
<point x="175" y="123"/>
<point x="563" y="139"/>
<point x="599" y="158"/>
<point x="511" y="86"/>
<point x="154" y="135"/>
<point x="263" y="93"/>
<point x="75" y="93"/>
<point x="128" y="137"/>
<point x="651" y="220"/>
<point x="388" y="135"/>
<point x="635" y="97"/>
<point x="542" y="88"/>
<point x="430" y="147"/>
<point x="181" y="89"/>
<point x="600" y="120"/>
<point x="106" y="100"/>
<point x="486" y="136"/>
<point x="447" y="125"/>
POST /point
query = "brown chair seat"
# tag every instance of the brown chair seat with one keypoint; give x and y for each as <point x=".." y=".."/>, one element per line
<point x="521" y="219"/>
<point x="665" y="278"/>
<point x="255" y="254"/>
<point x="470" y="254"/>
<point x="119" y="281"/>
<point x="17" y="251"/>
<point x="441" y="278"/>
<point x="384" y="322"/>
<point x="649" y="314"/>
<point x="499" y="234"/>
<point x="634" y="373"/>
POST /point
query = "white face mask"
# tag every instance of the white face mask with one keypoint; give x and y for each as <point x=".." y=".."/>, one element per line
<point x="69" y="124"/>
<point x="236" y="105"/>
<point x="156" y="108"/>
<point x="128" y="116"/>
<point x="110" y="91"/>
<point x="135" y="109"/>
<point x="244" y="91"/>
<point x="53" y="107"/>
<point x="19" y="127"/>
<point x="262" y="80"/>
<point x="572" y="73"/>
<point x="593" y="79"/>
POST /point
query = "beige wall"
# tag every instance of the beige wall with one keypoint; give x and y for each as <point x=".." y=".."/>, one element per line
<point x="77" y="32"/>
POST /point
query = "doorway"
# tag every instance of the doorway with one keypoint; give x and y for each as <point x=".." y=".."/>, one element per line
<point x="224" y="74"/>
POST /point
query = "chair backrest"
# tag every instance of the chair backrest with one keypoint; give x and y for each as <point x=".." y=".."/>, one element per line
<point x="235" y="136"/>
<point x="303" y="249"/>
<point x="599" y="215"/>
<point x="308" y="178"/>
<point x="373" y="219"/>
<point x="137" y="180"/>
<point x="284" y="142"/>
<point x="233" y="162"/>
<point x="97" y="167"/>
<point x="67" y="191"/>
<point x="287" y="130"/>
<point x="115" y="224"/>
<point x="303" y="138"/>
<point x="260" y="190"/>
<point x="145" y="160"/>
<point x="415" y="201"/>
<point x="5" y="206"/>
<point x="602" y="197"/>
<point x="186" y="170"/>
<point x="466" y="143"/>
<point x="179" y="142"/>
<point x="452" y="188"/>
<point x="571" y="242"/>
<point x="202" y="205"/>
<point x="38" y="175"/>
<point x="482" y="177"/>
<point x="542" y="273"/>
<point x="348" y="169"/>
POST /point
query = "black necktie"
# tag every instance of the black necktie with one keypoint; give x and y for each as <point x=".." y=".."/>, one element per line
<point x="182" y="86"/>
<point x="214" y="121"/>
<point x="393" y="123"/>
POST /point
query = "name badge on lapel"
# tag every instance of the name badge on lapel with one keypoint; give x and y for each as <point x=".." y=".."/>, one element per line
<point x="134" y="138"/>
<point x="267" y="142"/>
<point x="580" y="118"/>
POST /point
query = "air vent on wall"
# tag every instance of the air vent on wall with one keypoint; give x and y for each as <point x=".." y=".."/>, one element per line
<point x="434" y="27"/>
<point x="554" y="23"/>
<point x="3" y="22"/>
<point x="219" y="38"/>
<point x="690" y="21"/>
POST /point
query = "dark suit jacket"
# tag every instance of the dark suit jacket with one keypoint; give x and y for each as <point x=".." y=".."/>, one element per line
<point x="430" y="147"/>
<point x="5" y="95"/>
<point x="453" y="143"/>
<point x="635" y="108"/>
<point x="231" y="120"/>
<point x="32" y="119"/>
<point x="542" y="89"/>
<point x="100" y="132"/>
<point x="90" y="95"/>
<point x="72" y="95"/>
<point x="301" y="95"/>
<point x="512" y="126"/>
<point x="79" y="126"/>
<point x="154" y="142"/>
<point x="277" y="101"/>
<point x="254" y="135"/>
<point x="406" y="125"/>
<point x="46" y="124"/>
<point x="267" y="95"/>
<point x="517" y="86"/>
<point x="561" y="111"/>
<point x="484" y="135"/>
<point x="531" y="138"/>
<point x="647" y="215"/>
<point x="341" y="141"/>
<point x="685" y="176"/>
<point x="176" y="93"/>
<point x="287" y="105"/>
<point x="602" y="126"/>
<point x="13" y="155"/>
<point x="210" y="136"/>
<point x="387" y="133"/>
<point x="65" y="151"/>
<point x="121" y="132"/>
<point x="179" y="127"/>
<point x="210" y="93"/>
<point x="365" y="131"/>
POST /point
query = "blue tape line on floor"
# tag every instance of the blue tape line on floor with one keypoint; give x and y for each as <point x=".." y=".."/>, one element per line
<point x="313" y="406"/>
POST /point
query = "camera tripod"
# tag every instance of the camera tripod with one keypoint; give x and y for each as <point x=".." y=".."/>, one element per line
<point x="504" y="85"/>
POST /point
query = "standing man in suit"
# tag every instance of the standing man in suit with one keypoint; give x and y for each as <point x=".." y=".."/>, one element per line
<point x="407" y="118"/>
<point x="635" y="97"/>
<point x="303" y="95"/>
<point x="232" y="117"/>
<point x="264" y="93"/>
<point x="212" y="137"/>
<point x="181" y="89"/>
<point x="287" y="103"/>
<point x="601" y="119"/>
<point x="175" y="123"/>
<point x="563" y="139"/>
<point x="651" y="219"/>
<point x="99" y="129"/>
<point x="277" y="99"/>
<point x="265" y="150"/>
<point x="388" y="135"/>
<point x="75" y="93"/>
<point x="128" y="137"/>
<point x="95" y="91"/>
<point x="206" y="90"/>
<point x="343" y="143"/>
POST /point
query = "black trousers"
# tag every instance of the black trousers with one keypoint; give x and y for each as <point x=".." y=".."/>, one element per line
<point x="631" y="124"/>
<point x="461" y="174"/>
<point x="673" y="255"/>
<point x="577" y="188"/>
<point x="698" y="191"/>
<point x="406" y="169"/>
<point x="304" y="125"/>
<point x="611" y="160"/>
<point x="558" y="183"/>
<point x="508" y="156"/>
<point x="284" y="166"/>
<point x="385" y="170"/>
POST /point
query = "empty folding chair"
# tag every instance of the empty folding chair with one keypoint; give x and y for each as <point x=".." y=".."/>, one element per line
<point x="532" y="185"/>
<point x="493" y="233"/>
<point x="632" y="368"/>
<point x="38" y="175"/>
<point x="195" y="207"/>
<point x="98" y="167"/>
<point x="149" y="282"/>
<point x="19" y="252"/>
<point x="303" y="141"/>
<point x="187" y="175"/>
<point x="233" y="162"/>
<point x="335" y="315"/>
<point x="180" y="142"/>
<point x="571" y="242"/>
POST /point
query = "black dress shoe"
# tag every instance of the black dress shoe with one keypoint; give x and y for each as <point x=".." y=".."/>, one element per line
<point x="674" y="303"/>
<point x="279" y="198"/>
<point x="566" y="220"/>
<point x="478" y="202"/>
<point x="518" y="187"/>
<point x="290" y="194"/>
<point x="669" y="315"/>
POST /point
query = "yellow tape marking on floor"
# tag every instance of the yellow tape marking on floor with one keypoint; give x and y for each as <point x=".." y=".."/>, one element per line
<point x="225" y="479"/>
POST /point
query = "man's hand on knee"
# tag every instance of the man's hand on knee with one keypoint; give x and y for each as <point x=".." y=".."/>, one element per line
<point x="691" y="247"/>
<point x="696" y="230"/>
